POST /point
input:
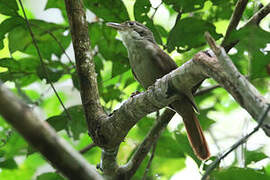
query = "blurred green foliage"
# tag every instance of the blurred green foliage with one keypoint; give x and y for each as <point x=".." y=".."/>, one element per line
<point x="22" y="70"/>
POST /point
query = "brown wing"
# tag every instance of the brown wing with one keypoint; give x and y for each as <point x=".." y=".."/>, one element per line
<point x="164" y="61"/>
<point x="166" y="65"/>
<point x="134" y="75"/>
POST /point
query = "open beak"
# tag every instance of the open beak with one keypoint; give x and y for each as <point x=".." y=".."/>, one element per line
<point x="115" y="25"/>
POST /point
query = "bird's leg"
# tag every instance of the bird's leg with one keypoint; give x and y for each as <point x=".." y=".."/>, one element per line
<point x="135" y="93"/>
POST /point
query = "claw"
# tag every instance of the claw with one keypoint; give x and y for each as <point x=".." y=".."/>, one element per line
<point x="135" y="93"/>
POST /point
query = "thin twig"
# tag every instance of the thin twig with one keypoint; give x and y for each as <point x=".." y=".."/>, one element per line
<point x="131" y="167"/>
<point x="178" y="17"/>
<point x="152" y="154"/>
<point x="206" y="90"/>
<point x="58" y="42"/>
<point x="235" y="19"/>
<point x="238" y="143"/>
<point x="258" y="16"/>
<point x="212" y="43"/>
<point x="255" y="19"/>
<point x="23" y="94"/>
<point x="43" y="65"/>
<point x="150" y="161"/>
<point x="87" y="148"/>
<point x="214" y="139"/>
<point x="155" y="10"/>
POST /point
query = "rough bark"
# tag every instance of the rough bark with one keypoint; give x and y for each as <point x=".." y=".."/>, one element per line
<point x="44" y="138"/>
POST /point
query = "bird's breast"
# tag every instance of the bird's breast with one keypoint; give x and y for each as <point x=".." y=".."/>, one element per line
<point x="143" y="64"/>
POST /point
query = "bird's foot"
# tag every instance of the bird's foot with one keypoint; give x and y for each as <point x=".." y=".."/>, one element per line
<point x="135" y="93"/>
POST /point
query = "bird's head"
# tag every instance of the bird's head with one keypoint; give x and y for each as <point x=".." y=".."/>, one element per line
<point x="131" y="31"/>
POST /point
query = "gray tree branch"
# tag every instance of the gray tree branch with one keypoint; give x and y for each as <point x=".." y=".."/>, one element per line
<point x="223" y="57"/>
<point x="163" y="92"/>
<point x="44" y="138"/>
<point x="235" y="19"/>
<point x="131" y="167"/>
<point x="224" y="71"/>
<point x="86" y="69"/>
<point x="254" y="20"/>
<point x="187" y="76"/>
<point x="258" y="16"/>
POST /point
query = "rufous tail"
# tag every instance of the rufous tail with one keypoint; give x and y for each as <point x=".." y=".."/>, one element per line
<point x="193" y="128"/>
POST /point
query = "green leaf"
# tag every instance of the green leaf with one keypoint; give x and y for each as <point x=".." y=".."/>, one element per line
<point x="25" y="171"/>
<point x="98" y="65"/>
<point x="166" y="167"/>
<point x="109" y="10"/>
<point x="28" y="64"/>
<point x="252" y="38"/>
<point x="45" y="34"/>
<point x="185" y="6"/>
<point x="32" y="94"/>
<point x="189" y="33"/>
<point x="235" y="173"/>
<point x="15" y="145"/>
<point x="9" y="7"/>
<point x="221" y="10"/>
<point x="109" y="47"/>
<point x="75" y="80"/>
<point x="184" y="146"/>
<point x="8" y="163"/>
<point x="141" y="8"/>
<point x="165" y="149"/>
<point x="267" y="169"/>
<point x="240" y="60"/>
<point x="205" y="121"/>
<point x="77" y="124"/>
<point x="254" y="156"/>
<point x="259" y="63"/>
<point x="93" y="155"/>
<point x="140" y="172"/>
<point x="18" y="34"/>
<point x="7" y="25"/>
<point x="10" y="63"/>
<point x="163" y="32"/>
<point x="58" y="122"/>
<point x="111" y="92"/>
<point x="22" y="70"/>
<point x="139" y="132"/>
<point x="60" y="4"/>
<point x="51" y="104"/>
<point x="54" y="74"/>
<point x="50" y="176"/>
<point x="144" y="125"/>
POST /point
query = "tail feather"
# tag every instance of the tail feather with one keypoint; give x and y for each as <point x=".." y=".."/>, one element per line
<point x="193" y="128"/>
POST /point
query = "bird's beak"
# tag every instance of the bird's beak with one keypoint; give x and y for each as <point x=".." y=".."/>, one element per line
<point x="115" y="25"/>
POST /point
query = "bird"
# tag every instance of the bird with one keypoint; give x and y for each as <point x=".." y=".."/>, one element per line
<point x="149" y="63"/>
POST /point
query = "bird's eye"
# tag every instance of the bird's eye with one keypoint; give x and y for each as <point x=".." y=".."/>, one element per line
<point x="130" y="23"/>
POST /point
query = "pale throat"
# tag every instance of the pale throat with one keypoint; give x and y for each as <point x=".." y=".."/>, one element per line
<point x="130" y="39"/>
